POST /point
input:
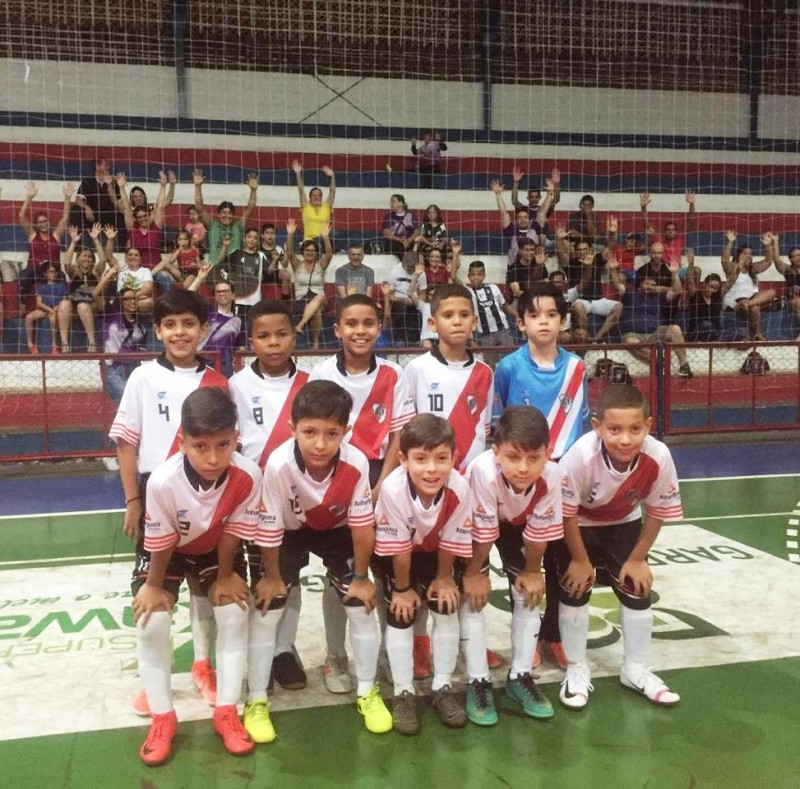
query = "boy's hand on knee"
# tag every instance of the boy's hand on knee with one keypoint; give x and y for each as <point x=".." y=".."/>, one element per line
<point x="578" y="578"/>
<point x="635" y="576"/>
<point x="148" y="600"/>
<point x="230" y="589"/>
<point x="477" y="588"/>
<point x="445" y="592"/>
<point x="531" y="586"/>
<point x="404" y="605"/>
<point x="361" y="589"/>
<point x="267" y="589"/>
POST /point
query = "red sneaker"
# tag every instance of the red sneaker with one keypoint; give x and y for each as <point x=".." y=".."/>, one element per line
<point x="537" y="655"/>
<point x="555" y="651"/>
<point x="157" y="748"/>
<point x="205" y="681"/>
<point x="422" y="657"/>
<point x="234" y="735"/>
<point x="494" y="660"/>
<point x="141" y="706"/>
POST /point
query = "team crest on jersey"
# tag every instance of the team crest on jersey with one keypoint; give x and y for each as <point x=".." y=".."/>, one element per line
<point x="380" y="412"/>
<point x="337" y="510"/>
<point x="634" y="497"/>
<point x="566" y="403"/>
<point x="472" y="404"/>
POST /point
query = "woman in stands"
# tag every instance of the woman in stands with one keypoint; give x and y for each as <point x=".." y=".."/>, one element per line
<point x="704" y="304"/>
<point x="791" y="273"/>
<point x="309" y="279"/>
<point x="316" y="212"/>
<point x="138" y="196"/>
<point x="742" y="294"/>
<point x="432" y="233"/>
<point x="123" y="332"/>
<point x="399" y="226"/>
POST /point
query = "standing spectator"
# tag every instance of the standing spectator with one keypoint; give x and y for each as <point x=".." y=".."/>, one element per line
<point x="743" y="294"/>
<point x="196" y="228"/>
<point x="491" y="308"/>
<point x="559" y="279"/>
<point x="97" y="200"/>
<point x="432" y="233"/>
<point x="277" y="273"/>
<point x="428" y="151"/>
<point x="316" y="212"/>
<point x="244" y="270"/>
<point x="534" y="196"/>
<point x="791" y="273"/>
<point x="584" y="223"/>
<point x="52" y="302"/>
<point x="226" y="224"/>
<point x="399" y="226"/>
<point x="704" y="306"/>
<point x="354" y="276"/>
<point x="522" y="227"/>
<point x="124" y="331"/>
<point x="405" y="316"/>
<point x="672" y="241"/>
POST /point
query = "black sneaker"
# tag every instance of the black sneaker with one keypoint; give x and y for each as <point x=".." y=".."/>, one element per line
<point x="451" y="712"/>
<point x="684" y="371"/>
<point x="288" y="672"/>
<point x="404" y="714"/>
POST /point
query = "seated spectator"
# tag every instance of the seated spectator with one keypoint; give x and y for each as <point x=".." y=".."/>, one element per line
<point x="182" y="264"/>
<point x="704" y="304"/>
<point x="98" y="200"/>
<point x="52" y="303"/>
<point x="791" y="273"/>
<point x="420" y="299"/>
<point x="196" y="228"/>
<point x="642" y="320"/>
<point x="309" y="280"/>
<point x="742" y="294"/>
<point x="587" y="296"/>
<point x="277" y="272"/>
<point x="584" y="224"/>
<point x="657" y="269"/>
<point x="405" y="315"/>
<point x="124" y="331"/>
<point x="225" y="328"/>
<point x="86" y="286"/>
<point x="44" y="241"/>
<point x="354" y="276"/>
<point x="316" y="212"/>
<point x="672" y="241"/>
<point x="559" y="279"/>
<point x="428" y="150"/>
<point x="522" y="227"/>
<point x="534" y="196"/>
<point x="627" y="254"/>
<point x="432" y="233"/>
<point x="528" y="267"/>
<point x="144" y="230"/>
<point x="491" y="309"/>
<point x="437" y="272"/>
<point x="134" y="276"/>
<point x="399" y="227"/>
<point x="226" y="224"/>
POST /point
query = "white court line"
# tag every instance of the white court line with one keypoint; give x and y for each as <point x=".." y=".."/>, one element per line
<point x="30" y="515"/>
<point x="746" y="476"/>
<point x="58" y="559"/>
<point x="690" y="521"/>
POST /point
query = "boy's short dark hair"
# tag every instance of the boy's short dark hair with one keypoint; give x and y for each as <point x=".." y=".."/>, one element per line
<point x="267" y="226"/>
<point x="206" y="411"/>
<point x="477" y="264"/>
<point x="587" y="198"/>
<point x="176" y="301"/>
<point x="527" y="301"/>
<point x="226" y="204"/>
<point x="524" y="427"/>
<point x="427" y="431"/>
<point x="621" y="396"/>
<point x="450" y="290"/>
<point x="268" y="307"/>
<point x="353" y="300"/>
<point x="322" y="400"/>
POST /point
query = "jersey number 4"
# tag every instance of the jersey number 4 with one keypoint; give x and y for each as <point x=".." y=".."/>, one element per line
<point x="164" y="410"/>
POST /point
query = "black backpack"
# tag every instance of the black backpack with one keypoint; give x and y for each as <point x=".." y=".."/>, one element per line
<point x="755" y="364"/>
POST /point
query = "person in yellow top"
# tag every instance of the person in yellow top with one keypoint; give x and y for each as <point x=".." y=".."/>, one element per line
<point x="316" y="213"/>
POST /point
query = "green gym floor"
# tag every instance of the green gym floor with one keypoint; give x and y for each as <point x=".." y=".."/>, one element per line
<point x="727" y="638"/>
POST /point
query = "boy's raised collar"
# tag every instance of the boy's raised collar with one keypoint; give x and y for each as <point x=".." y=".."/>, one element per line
<point x="256" y="368"/>
<point x="342" y="367"/>
<point x="302" y="465"/>
<point x="196" y="481"/>
<point x="437" y="354"/>
<point x="202" y="364"/>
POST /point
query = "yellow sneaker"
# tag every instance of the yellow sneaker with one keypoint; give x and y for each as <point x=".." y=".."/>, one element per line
<point x="377" y="718"/>
<point x="257" y="721"/>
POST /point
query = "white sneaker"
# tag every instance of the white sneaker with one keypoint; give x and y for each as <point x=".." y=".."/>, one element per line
<point x="335" y="674"/>
<point x="576" y="686"/>
<point x="638" y="678"/>
<point x="110" y="463"/>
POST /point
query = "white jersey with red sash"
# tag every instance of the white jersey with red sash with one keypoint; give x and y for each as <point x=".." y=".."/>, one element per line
<point x="264" y="406"/>
<point x="381" y="401"/>
<point x="291" y="499"/>
<point x="149" y="413"/>
<point x="600" y="495"/>
<point x="536" y="511"/>
<point x="460" y="392"/>
<point x="182" y="514"/>
<point x="403" y="524"/>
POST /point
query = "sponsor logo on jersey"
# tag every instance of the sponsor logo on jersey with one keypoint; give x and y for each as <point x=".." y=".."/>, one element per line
<point x="546" y="516"/>
<point x="670" y="494"/>
<point x="162" y="395"/>
<point x="434" y="386"/>
<point x="380" y="413"/>
<point x="256" y="399"/>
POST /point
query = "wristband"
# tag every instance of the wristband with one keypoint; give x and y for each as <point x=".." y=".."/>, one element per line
<point x="360" y="577"/>
<point x="404" y="589"/>
<point x="135" y="498"/>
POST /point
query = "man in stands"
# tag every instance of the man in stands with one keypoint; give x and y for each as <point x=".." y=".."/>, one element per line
<point x="527" y="268"/>
<point x="354" y="277"/>
<point x="673" y="242"/>
<point x="534" y="196"/>
<point x="584" y="223"/>
<point x="522" y="227"/>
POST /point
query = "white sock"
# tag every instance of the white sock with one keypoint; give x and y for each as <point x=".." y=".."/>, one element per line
<point x="201" y="617"/>
<point x="400" y="649"/>
<point x="525" y="624"/>
<point x="421" y="622"/>
<point x="290" y="618"/>
<point x="573" y="621"/>
<point x="637" y="628"/>
<point x="444" y="644"/>
<point x="364" y="642"/>
<point x="231" y="652"/>
<point x="260" y="651"/>
<point x="473" y="641"/>
<point x="155" y="660"/>
<point x="334" y="616"/>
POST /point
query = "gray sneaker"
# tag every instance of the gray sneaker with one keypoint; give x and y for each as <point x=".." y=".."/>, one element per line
<point x="335" y="674"/>
<point x="451" y="712"/>
<point x="404" y="714"/>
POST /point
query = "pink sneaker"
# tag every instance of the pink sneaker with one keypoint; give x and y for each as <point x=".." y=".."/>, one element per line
<point x="205" y="681"/>
<point x="555" y="651"/>
<point x="156" y="749"/>
<point x="537" y="655"/>
<point x="494" y="660"/>
<point x="234" y="735"/>
<point x="141" y="706"/>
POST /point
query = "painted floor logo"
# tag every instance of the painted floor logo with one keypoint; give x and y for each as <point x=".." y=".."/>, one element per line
<point x="81" y="636"/>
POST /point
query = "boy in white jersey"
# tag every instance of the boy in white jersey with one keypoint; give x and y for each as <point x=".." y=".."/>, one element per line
<point x="450" y="382"/>
<point x="543" y="375"/>
<point x="381" y="406"/>
<point x="201" y="502"/>
<point x="607" y="475"/>
<point x="424" y="523"/>
<point x="316" y="499"/>
<point x="145" y="430"/>
<point x="516" y="499"/>
<point x="264" y="393"/>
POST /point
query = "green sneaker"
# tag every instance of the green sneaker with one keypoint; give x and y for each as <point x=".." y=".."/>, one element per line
<point x="480" y="703"/>
<point x="525" y="692"/>
<point x="377" y="718"/>
<point x="257" y="722"/>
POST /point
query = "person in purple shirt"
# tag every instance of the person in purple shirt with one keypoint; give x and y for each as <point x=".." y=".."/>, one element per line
<point x="521" y="227"/>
